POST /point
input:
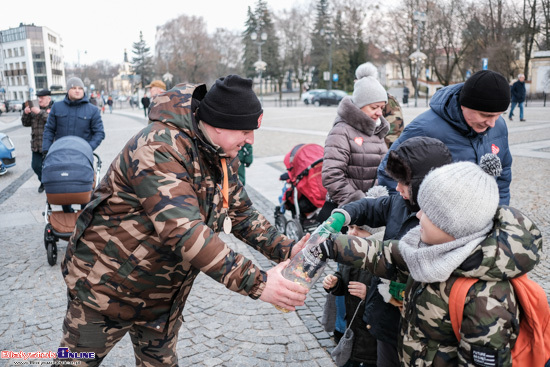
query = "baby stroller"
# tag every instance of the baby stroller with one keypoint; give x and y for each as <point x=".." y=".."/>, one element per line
<point x="303" y="193"/>
<point x="69" y="178"/>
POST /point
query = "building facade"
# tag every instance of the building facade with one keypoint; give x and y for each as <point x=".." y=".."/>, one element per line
<point x="31" y="58"/>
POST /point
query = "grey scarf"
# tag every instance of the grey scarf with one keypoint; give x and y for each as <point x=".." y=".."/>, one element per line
<point x="436" y="263"/>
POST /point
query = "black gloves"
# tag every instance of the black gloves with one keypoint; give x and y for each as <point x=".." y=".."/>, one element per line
<point x="327" y="249"/>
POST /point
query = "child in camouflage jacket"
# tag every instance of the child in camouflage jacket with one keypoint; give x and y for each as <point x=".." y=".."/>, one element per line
<point x="462" y="233"/>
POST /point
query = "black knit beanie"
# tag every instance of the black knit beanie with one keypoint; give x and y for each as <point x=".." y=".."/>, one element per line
<point x="486" y="91"/>
<point x="231" y="104"/>
<point x="414" y="159"/>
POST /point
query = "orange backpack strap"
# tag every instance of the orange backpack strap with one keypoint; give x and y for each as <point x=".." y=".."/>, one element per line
<point x="533" y="342"/>
<point x="459" y="290"/>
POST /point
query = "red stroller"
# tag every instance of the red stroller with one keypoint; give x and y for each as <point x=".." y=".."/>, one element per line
<point x="303" y="193"/>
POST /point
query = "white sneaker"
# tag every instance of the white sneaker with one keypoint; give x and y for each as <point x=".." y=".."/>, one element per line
<point x="3" y="170"/>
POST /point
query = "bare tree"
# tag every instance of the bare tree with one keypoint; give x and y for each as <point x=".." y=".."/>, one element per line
<point x="229" y="46"/>
<point x="185" y="49"/>
<point x="528" y="29"/>
<point x="490" y="34"/>
<point x="443" y="38"/>
<point x="295" y="44"/>
<point x="544" y="44"/>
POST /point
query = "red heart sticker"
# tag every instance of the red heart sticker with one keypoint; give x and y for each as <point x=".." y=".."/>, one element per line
<point x="495" y="149"/>
<point x="260" y="120"/>
<point x="358" y="140"/>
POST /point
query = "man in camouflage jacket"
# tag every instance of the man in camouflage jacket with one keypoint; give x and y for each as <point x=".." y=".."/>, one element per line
<point x="153" y="225"/>
<point x="509" y="248"/>
<point x="36" y="117"/>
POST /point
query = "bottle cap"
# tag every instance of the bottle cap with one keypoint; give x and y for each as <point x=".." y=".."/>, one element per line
<point x="337" y="222"/>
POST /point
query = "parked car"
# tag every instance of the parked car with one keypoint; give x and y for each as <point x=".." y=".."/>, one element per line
<point x="14" y="106"/>
<point x="58" y="95"/>
<point x="329" y="97"/>
<point x="307" y="96"/>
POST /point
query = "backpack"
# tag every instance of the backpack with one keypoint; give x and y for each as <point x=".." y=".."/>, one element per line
<point x="532" y="346"/>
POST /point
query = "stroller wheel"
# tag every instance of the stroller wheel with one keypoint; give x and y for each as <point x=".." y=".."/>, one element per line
<point x="294" y="229"/>
<point x="280" y="220"/>
<point x="52" y="253"/>
<point x="48" y="235"/>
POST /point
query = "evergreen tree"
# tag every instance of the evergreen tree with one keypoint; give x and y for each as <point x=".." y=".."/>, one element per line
<point x="320" y="44"/>
<point x="142" y="61"/>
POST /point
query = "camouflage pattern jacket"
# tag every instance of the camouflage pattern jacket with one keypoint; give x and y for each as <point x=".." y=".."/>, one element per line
<point x="37" y="123"/>
<point x="491" y="316"/>
<point x="153" y="223"/>
<point x="394" y="116"/>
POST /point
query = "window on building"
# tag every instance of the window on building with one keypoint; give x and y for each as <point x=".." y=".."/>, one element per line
<point x="15" y="52"/>
<point x="9" y="52"/>
<point x="22" y="51"/>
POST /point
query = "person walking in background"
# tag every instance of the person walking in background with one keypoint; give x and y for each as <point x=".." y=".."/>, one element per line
<point x="160" y="208"/>
<point x="100" y="103"/>
<point x="406" y="93"/>
<point x="246" y="157"/>
<point x="408" y="165"/>
<point x="93" y="99"/>
<point x="110" y="103"/>
<point x="145" y="101"/>
<point x="157" y="87"/>
<point x="518" y="93"/>
<point x="463" y="232"/>
<point x="36" y="117"/>
<point x="74" y="115"/>
<point x="467" y="118"/>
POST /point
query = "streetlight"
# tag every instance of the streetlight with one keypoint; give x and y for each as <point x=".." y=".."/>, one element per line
<point x="259" y="65"/>
<point x="417" y="58"/>
<point x="322" y="32"/>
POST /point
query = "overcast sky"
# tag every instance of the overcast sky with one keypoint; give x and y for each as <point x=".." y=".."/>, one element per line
<point x="99" y="29"/>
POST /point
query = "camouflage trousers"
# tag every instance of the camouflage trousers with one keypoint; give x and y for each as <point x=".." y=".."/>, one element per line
<point x="88" y="331"/>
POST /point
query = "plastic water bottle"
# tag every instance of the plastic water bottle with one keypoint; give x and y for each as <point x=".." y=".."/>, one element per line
<point x="306" y="267"/>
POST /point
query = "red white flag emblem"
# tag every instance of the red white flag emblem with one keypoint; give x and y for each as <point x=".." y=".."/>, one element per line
<point x="495" y="149"/>
<point x="358" y="140"/>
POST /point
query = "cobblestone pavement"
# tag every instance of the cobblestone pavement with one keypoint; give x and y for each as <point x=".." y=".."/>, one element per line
<point x="221" y="328"/>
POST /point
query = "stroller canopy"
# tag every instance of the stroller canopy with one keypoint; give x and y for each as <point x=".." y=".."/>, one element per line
<point x="308" y="183"/>
<point x="68" y="166"/>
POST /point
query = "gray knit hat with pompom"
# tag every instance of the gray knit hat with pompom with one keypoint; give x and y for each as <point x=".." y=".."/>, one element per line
<point x="461" y="198"/>
<point x="367" y="89"/>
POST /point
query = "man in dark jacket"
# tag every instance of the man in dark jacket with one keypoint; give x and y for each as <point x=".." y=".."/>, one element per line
<point x="467" y="118"/>
<point x="36" y="117"/>
<point x="75" y="115"/>
<point x="145" y="101"/>
<point x="408" y="165"/>
<point x="518" y="97"/>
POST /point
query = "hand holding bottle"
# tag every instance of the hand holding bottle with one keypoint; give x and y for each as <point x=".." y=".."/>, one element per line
<point x="281" y="292"/>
